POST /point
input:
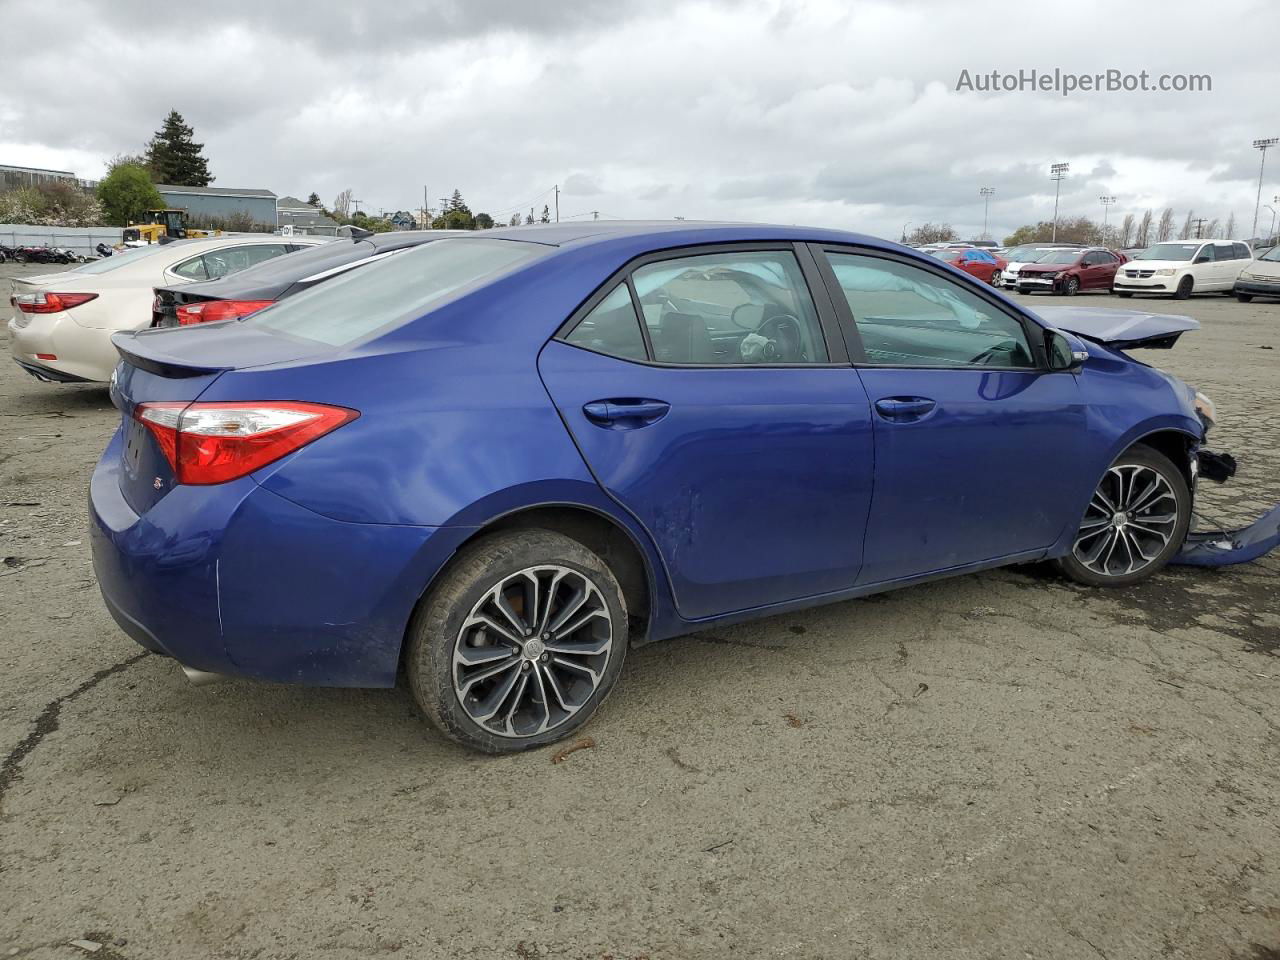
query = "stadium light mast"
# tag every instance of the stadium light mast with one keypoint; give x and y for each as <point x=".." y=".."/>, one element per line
<point x="1106" y="201"/>
<point x="1261" y="145"/>
<point x="986" y="194"/>
<point x="1057" y="173"/>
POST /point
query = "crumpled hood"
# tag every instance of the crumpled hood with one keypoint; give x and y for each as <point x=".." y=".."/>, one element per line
<point x="1120" y="328"/>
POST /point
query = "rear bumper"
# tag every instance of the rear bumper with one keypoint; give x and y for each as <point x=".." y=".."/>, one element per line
<point x="234" y="579"/>
<point x="83" y="353"/>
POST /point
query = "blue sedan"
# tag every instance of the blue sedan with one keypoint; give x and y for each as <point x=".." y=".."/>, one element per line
<point x="495" y="462"/>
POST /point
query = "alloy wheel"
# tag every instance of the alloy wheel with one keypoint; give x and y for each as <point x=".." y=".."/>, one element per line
<point x="1129" y="522"/>
<point x="532" y="651"/>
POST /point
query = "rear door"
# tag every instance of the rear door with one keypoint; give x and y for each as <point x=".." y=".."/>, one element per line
<point x="1228" y="263"/>
<point x="727" y="421"/>
<point x="977" y="445"/>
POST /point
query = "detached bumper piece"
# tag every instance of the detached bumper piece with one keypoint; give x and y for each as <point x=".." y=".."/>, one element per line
<point x="1226" y="547"/>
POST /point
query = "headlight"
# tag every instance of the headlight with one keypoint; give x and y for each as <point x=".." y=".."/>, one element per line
<point x="1206" y="411"/>
<point x="1165" y="273"/>
<point x="1049" y="276"/>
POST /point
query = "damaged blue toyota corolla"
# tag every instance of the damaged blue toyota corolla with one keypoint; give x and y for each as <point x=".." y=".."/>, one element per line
<point x="498" y="461"/>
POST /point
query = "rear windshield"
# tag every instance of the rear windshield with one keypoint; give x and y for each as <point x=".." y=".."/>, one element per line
<point x="354" y="305"/>
<point x="122" y="259"/>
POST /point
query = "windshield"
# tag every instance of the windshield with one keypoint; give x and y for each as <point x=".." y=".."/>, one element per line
<point x="395" y="290"/>
<point x="949" y="255"/>
<point x="118" y="260"/>
<point x="1169" y="251"/>
<point x="1272" y="254"/>
<point x="1059" y="256"/>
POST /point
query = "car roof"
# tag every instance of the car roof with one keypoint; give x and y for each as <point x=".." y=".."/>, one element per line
<point x="676" y="233"/>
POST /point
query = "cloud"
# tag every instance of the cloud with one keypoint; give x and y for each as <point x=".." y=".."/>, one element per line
<point x="843" y="114"/>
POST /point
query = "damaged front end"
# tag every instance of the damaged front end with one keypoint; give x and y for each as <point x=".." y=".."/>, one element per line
<point x="1225" y="547"/>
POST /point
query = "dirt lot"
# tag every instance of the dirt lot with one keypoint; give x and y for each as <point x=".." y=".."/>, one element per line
<point x="996" y="766"/>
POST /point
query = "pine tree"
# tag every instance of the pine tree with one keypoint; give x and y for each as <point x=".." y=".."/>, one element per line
<point x="546" y="214"/>
<point x="314" y="199"/>
<point x="174" y="158"/>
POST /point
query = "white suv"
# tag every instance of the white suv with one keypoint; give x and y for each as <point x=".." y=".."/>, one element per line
<point x="1184" y="267"/>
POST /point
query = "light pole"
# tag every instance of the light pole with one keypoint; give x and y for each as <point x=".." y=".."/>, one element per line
<point x="1057" y="173"/>
<point x="986" y="193"/>
<point x="904" y="231"/>
<point x="1106" y="202"/>
<point x="1272" y="232"/>
<point x="1261" y="145"/>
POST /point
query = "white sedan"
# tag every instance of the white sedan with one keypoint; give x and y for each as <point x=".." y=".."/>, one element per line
<point x="62" y="322"/>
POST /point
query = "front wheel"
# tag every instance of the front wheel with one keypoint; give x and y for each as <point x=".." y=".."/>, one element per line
<point x="1185" y="286"/>
<point x="1072" y="286"/>
<point x="1244" y="297"/>
<point x="1136" y="520"/>
<point x="518" y="643"/>
<point x="1124" y="294"/>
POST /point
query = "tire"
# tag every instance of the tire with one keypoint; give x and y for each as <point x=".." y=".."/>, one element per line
<point x="1148" y="540"/>
<point x="461" y="613"/>
<point x="1185" y="286"/>
<point x="1024" y="290"/>
<point x="1244" y="297"/>
<point x="1124" y="294"/>
<point x="1072" y="286"/>
<point x="20" y="258"/>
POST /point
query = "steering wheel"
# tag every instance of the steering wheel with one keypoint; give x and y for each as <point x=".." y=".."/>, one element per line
<point x="785" y="345"/>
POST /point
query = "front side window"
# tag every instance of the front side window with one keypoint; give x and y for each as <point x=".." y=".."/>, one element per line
<point x="732" y="308"/>
<point x="1206" y="254"/>
<point x="909" y="317"/>
<point x="611" y="327"/>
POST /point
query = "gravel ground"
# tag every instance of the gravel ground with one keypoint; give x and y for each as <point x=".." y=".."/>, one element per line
<point x="1000" y="765"/>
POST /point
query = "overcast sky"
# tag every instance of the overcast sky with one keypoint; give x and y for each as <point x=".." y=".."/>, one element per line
<point x="840" y="114"/>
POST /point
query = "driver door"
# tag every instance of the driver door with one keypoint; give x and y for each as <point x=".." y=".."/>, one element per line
<point x="978" y="447"/>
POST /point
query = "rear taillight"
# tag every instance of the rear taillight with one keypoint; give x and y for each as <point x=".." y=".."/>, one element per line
<point x="210" y="311"/>
<point x="216" y="442"/>
<point x="50" y="302"/>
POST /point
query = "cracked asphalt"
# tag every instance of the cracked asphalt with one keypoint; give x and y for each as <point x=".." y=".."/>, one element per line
<point x="1001" y="765"/>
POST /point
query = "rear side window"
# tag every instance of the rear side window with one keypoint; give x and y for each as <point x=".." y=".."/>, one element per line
<point x="1242" y="252"/>
<point x="1224" y="251"/>
<point x="611" y="327"/>
<point x="354" y="305"/>
<point x="228" y="260"/>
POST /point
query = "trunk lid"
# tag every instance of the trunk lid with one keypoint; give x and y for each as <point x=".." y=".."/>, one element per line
<point x="1122" y="329"/>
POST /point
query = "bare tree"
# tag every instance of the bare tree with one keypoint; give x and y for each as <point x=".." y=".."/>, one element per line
<point x="1212" y="227"/>
<point x="932" y="233"/>
<point x="1164" y="229"/>
<point x="1230" y="231"/>
<point x="514" y="221"/>
<point x="1187" y="227"/>
<point x="342" y="202"/>
<point x="1126" y="230"/>
<point x="1143" y="236"/>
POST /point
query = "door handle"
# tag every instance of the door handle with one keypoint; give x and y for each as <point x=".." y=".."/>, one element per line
<point x="904" y="409"/>
<point x="625" y="413"/>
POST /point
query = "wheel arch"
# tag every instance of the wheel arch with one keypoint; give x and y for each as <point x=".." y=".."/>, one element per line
<point x="1177" y="445"/>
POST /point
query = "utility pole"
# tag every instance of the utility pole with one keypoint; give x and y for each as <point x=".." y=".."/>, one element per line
<point x="1199" y="222"/>
<point x="426" y="210"/>
<point x="557" y="203"/>
<point x="986" y="193"/>
<point x="1261" y="145"/>
<point x="1106" y="202"/>
<point x="1057" y="173"/>
<point x="595" y="214"/>
<point x="904" y="230"/>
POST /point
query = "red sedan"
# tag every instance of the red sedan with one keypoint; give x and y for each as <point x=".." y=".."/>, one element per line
<point x="973" y="261"/>
<point x="1070" y="271"/>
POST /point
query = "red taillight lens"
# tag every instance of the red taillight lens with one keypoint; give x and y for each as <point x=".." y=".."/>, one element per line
<point x="210" y="311"/>
<point x="50" y="302"/>
<point x="216" y="442"/>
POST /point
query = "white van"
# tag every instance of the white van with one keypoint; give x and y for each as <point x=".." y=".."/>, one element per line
<point x="1184" y="267"/>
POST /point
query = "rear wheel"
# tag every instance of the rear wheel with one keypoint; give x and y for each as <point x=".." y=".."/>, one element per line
<point x="518" y="643"/>
<point x="1136" y="520"/>
<point x="1185" y="286"/>
<point x="1244" y="297"/>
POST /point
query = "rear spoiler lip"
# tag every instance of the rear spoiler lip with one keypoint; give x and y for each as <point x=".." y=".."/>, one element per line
<point x="159" y="363"/>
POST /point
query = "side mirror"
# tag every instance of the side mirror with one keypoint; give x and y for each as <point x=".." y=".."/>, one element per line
<point x="1203" y="259"/>
<point x="1065" y="351"/>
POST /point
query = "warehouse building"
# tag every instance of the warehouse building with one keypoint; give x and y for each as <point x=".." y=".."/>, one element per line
<point x="304" y="218"/>
<point x="222" y="206"/>
<point x="14" y="178"/>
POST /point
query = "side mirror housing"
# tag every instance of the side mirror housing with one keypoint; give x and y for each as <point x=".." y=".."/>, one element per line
<point x="1202" y="259"/>
<point x="1065" y="351"/>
